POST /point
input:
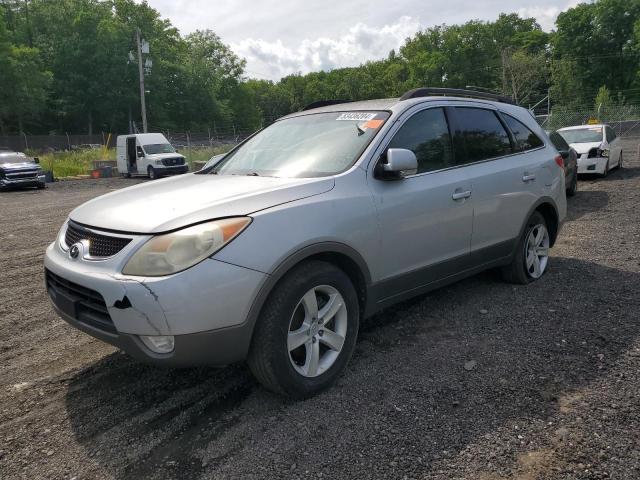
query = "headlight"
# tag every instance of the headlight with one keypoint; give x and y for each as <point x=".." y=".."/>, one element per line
<point x="158" y="162"/>
<point x="179" y="250"/>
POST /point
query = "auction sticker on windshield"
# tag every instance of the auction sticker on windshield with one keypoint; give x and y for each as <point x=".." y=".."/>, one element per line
<point x="357" y="116"/>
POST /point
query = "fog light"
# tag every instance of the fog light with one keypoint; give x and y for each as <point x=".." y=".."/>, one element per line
<point x="158" y="343"/>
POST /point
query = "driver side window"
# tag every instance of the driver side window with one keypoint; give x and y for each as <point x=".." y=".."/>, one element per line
<point x="427" y="135"/>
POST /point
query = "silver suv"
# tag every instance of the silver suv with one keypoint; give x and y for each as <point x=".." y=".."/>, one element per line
<point x="278" y="251"/>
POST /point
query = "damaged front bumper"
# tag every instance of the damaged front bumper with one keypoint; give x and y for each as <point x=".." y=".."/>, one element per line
<point x="204" y="308"/>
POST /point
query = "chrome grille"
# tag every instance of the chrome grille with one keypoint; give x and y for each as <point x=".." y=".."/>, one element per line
<point x="99" y="245"/>
<point x="21" y="175"/>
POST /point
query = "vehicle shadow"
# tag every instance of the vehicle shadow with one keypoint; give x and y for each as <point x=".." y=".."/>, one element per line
<point x="408" y="384"/>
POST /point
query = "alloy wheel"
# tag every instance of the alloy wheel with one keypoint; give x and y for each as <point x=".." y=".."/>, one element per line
<point x="537" y="251"/>
<point x="317" y="331"/>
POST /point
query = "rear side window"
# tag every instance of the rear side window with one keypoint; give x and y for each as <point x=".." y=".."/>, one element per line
<point x="558" y="142"/>
<point x="611" y="135"/>
<point x="524" y="137"/>
<point x="483" y="134"/>
<point x="427" y="135"/>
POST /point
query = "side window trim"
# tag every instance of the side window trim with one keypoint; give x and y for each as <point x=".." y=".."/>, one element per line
<point x="400" y="122"/>
<point x="512" y="136"/>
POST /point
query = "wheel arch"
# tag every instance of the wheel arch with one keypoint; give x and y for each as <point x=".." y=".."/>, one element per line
<point x="547" y="208"/>
<point x="342" y="256"/>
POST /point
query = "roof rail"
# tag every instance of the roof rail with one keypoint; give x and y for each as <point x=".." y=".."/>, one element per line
<point x="324" y="103"/>
<point x="455" y="92"/>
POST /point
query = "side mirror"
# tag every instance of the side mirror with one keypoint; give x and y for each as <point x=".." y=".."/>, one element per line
<point x="36" y="160"/>
<point x="399" y="161"/>
<point x="564" y="154"/>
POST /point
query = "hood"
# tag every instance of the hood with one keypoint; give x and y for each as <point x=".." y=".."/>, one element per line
<point x="163" y="205"/>
<point x="584" y="147"/>
<point x="17" y="165"/>
<point x="160" y="156"/>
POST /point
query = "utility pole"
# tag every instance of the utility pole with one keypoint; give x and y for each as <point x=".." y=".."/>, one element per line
<point x="141" y="73"/>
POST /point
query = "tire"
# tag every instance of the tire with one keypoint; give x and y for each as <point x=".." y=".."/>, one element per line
<point x="620" y="162"/>
<point x="571" y="191"/>
<point x="285" y="321"/>
<point x="42" y="186"/>
<point x="152" y="172"/>
<point x="519" y="271"/>
<point x="606" y="170"/>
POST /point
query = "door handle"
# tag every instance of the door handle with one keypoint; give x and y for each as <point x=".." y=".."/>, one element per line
<point x="528" y="177"/>
<point x="461" y="195"/>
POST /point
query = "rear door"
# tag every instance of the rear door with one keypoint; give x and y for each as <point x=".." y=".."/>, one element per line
<point x="425" y="218"/>
<point x="505" y="173"/>
<point x="615" y="146"/>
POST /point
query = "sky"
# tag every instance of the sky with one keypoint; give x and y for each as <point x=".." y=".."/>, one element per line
<point x="280" y="37"/>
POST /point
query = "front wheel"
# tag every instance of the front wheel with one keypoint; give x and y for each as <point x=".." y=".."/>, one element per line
<point x="532" y="254"/>
<point x="620" y="162"/>
<point x="152" y="173"/>
<point x="306" y="332"/>
<point x="606" y="170"/>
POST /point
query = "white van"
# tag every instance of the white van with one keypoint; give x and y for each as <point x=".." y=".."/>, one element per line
<point x="148" y="154"/>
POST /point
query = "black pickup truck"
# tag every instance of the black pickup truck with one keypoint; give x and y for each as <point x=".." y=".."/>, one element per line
<point x="17" y="171"/>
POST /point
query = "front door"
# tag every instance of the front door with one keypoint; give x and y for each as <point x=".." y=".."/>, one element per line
<point x="426" y="217"/>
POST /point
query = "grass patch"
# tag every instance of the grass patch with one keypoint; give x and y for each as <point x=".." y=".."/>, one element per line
<point x="65" y="164"/>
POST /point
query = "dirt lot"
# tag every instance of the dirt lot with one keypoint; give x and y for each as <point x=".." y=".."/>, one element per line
<point x="480" y="380"/>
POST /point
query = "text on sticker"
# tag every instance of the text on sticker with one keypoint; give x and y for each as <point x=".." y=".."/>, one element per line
<point x="357" y="116"/>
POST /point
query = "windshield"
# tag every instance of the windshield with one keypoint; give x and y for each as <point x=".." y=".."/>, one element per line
<point x="158" y="148"/>
<point x="582" y="135"/>
<point x="315" y="145"/>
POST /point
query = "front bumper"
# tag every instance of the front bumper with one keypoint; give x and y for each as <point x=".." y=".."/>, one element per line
<point x="36" y="181"/>
<point x="177" y="170"/>
<point x="205" y="307"/>
<point x="592" y="165"/>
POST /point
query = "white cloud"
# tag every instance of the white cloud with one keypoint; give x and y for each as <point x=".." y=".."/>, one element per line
<point x="272" y="59"/>
<point x="546" y="16"/>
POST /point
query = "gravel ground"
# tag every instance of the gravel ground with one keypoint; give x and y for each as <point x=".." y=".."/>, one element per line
<point x="480" y="380"/>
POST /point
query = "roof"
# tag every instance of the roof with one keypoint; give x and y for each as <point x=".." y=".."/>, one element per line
<point x="580" y="127"/>
<point x="395" y="105"/>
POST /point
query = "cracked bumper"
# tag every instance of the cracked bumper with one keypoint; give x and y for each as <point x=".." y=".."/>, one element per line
<point x="205" y="307"/>
<point x="592" y="165"/>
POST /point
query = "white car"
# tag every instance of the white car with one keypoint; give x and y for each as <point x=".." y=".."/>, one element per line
<point x="598" y="147"/>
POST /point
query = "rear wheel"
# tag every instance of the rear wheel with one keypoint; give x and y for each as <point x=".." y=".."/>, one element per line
<point x="532" y="254"/>
<point x="306" y="332"/>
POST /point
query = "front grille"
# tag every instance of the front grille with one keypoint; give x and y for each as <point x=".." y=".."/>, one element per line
<point x="85" y="305"/>
<point x="99" y="245"/>
<point x="170" y="162"/>
<point x="21" y="175"/>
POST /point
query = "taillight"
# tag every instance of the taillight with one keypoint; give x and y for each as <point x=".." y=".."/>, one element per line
<point x="560" y="161"/>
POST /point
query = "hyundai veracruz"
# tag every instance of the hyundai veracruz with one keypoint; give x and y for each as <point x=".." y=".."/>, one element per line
<point x="277" y="252"/>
